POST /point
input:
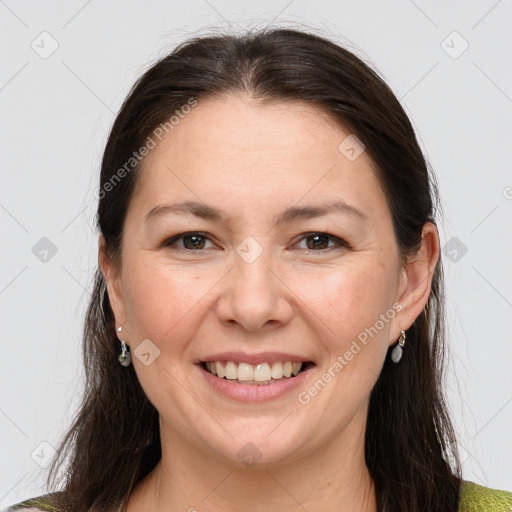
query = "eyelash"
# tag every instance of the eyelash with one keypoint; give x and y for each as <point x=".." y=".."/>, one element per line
<point x="170" y="242"/>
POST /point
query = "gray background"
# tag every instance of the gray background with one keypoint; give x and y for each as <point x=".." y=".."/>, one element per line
<point x="56" y="111"/>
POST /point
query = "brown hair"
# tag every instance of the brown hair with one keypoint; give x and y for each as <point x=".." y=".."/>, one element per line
<point x="114" y="440"/>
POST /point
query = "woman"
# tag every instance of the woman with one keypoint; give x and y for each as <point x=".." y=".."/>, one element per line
<point x="266" y="330"/>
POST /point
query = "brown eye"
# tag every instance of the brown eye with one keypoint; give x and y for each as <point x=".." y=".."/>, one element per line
<point x="195" y="241"/>
<point x="191" y="241"/>
<point x="320" y="241"/>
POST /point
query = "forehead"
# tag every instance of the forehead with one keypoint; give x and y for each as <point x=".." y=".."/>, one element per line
<point x="242" y="153"/>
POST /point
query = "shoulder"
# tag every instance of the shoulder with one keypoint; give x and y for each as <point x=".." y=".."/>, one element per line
<point x="476" y="498"/>
<point x="37" y="504"/>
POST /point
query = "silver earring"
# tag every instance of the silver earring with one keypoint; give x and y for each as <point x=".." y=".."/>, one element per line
<point x="125" y="357"/>
<point x="396" y="353"/>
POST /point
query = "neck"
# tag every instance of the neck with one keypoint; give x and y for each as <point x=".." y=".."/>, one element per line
<point x="333" y="478"/>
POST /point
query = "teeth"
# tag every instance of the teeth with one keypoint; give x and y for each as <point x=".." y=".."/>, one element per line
<point x="231" y="370"/>
<point x="249" y="373"/>
<point x="220" y="369"/>
<point x="245" y="371"/>
<point x="277" y="370"/>
<point x="262" y="372"/>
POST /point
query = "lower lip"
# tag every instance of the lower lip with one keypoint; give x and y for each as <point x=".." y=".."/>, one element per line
<point x="254" y="392"/>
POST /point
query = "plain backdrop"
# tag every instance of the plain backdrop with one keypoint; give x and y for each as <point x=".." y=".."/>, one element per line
<point x="65" y="69"/>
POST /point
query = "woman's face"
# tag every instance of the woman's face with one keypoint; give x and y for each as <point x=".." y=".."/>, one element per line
<point x="267" y="274"/>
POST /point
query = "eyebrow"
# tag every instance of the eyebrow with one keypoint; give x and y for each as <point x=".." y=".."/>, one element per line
<point x="207" y="212"/>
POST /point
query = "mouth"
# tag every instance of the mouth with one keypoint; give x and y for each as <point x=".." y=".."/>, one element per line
<point x="261" y="374"/>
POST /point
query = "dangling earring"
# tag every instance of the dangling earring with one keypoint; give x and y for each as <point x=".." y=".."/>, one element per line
<point x="396" y="353"/>
<point x="125" y="357"/>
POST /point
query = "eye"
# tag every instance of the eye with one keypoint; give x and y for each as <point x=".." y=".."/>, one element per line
<point x="195" y="240"/>
<point x="191" y="240"/>
<point x="319" y="241"/>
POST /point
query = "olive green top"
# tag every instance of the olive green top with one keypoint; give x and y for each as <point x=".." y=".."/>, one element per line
<point x="474" y="498"/>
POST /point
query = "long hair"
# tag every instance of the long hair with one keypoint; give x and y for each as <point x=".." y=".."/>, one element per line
<point x="114" y="440"/>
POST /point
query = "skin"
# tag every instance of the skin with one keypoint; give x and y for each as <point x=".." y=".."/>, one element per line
<point x="253" y="161"/>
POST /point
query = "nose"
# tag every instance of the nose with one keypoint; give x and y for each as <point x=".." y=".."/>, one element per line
<point x="254" y="296"/>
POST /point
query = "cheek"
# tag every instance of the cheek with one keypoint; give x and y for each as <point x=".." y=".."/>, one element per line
<point x="348" y="299"/>
<point x="163" y="302"/>
<point x="169" y="305"/>
<point x="351" y="315"/>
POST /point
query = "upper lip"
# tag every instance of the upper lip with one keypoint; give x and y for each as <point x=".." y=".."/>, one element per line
<point x="260" y="357"/>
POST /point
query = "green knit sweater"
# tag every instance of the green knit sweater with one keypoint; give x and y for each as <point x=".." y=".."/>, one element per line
<point x="474" y="498"/>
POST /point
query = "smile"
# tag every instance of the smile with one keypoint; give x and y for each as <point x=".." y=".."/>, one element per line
<point x="255" y="374"/>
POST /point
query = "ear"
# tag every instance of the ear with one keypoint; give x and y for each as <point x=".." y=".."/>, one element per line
<point x="112" y="276"/>
<point x="416" y="280"/>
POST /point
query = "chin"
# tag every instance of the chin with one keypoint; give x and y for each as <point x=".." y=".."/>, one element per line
<point x="257" y="449"/>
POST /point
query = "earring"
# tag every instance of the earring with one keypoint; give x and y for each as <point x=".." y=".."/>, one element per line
<point x="396" y="353"/>
<point x="125" y="357"/>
